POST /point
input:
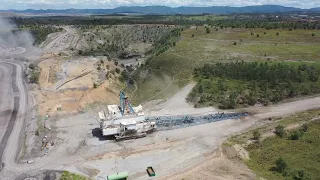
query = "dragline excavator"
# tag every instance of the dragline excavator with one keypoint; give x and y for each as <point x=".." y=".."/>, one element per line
<point x="124" y="121"/>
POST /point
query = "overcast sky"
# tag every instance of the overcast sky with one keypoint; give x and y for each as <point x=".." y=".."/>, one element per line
<point x="106" y="4"/>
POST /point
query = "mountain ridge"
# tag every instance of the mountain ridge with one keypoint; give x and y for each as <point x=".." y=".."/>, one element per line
<point x="165" y="10"/>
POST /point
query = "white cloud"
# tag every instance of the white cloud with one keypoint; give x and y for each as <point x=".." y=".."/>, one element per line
<point x="63" y="4"/>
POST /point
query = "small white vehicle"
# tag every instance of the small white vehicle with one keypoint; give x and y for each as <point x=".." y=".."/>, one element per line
<point x="30" y="161"/>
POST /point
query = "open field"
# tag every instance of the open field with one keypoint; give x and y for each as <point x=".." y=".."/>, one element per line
<point x="299" y="154"/>
<point x="302" y="154"/>
<point x="218" y="46"/>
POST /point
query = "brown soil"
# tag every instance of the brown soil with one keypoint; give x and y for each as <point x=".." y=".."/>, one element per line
<point x="221" y="165"/>
<point x="77" y="94"/>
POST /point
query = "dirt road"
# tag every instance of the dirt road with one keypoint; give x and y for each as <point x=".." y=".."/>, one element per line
<point x="14" y="106"/>
<point x="169" y="152"/>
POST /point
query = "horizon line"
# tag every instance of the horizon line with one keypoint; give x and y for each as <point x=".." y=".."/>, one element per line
<point x="158" y="6"/>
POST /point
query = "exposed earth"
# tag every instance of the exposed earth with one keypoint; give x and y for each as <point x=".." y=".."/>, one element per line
<point x="64" y="93"/>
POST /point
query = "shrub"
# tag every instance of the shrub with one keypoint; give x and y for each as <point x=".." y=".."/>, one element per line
<point x="280" y="131"/>
<point x="300" y="175"/>
<point x="258" y="35"/>
<point x="304" y="128"/>
<point x="34" y="78"/>
<point x="131" y="81"/>
<point x="32" y="66"/>
<point x="313" y="34"/>
<point x="192" y="36"/>
<point x="118" y="70"/>
<point x="95" y="85"/>
<point x="80" y="52"/>
<point x="121" y="78"/>
<point x="116" y="63"/>
<point x="98" y="68"/>
<point x="235" y="43"/>
<point x="256" y="135"/>
<point x="277" y="33"/>
<point x="125" y="75"/>
<point x="207" y="30"/>
<point x="295" y="135"/>
<point x="281" y="165"/>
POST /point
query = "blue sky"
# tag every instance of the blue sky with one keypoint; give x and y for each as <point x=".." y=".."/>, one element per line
<point x="106" y="4"/>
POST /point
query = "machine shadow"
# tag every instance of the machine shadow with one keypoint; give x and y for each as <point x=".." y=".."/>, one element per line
<point x="96" y="132"/>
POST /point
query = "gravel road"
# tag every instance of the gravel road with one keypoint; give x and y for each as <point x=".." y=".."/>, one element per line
<point x="14" y="105"/>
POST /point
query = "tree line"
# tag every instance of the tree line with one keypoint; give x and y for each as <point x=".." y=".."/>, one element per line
<point x="265" y="23"/>
<point x="237" y="84"/>
<point x="67" y="20"/>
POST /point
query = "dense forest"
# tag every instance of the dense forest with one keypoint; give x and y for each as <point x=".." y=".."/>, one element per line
<point x="239" y="84"/>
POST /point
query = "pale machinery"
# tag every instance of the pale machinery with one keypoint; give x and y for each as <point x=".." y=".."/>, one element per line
<point x="125" y="121"/>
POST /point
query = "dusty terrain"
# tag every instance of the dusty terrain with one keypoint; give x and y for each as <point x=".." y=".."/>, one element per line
<point x="80" y="148"/>
<point x="58" y="93"/>
<point x="66" y="89"/>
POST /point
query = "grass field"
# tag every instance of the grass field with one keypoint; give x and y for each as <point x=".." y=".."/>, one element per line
<point x="201" y="18"/>
<point x="302" y="154"/>
<point x="71" y="176"/>
<point x="299" y="118"/>
<point x="218" y="46"/>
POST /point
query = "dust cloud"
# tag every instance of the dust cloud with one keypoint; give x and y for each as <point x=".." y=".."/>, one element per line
<point x="17" y="39"/>
<point x="14" y="42"/>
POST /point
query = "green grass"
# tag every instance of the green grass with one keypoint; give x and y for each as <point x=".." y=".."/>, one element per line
<point x="71" y="176"/>
<point x="299" y="118"/>
<point x="201" y="18"/>
<point x="302" y="154"/>
<point x="217" y="46"/>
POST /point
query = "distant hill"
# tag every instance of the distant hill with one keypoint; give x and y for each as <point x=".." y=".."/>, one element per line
<point x="164" y="10"/>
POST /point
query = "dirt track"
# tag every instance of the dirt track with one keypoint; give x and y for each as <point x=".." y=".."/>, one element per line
<point x="13" y="130"/>
<point x="80" y="150"/>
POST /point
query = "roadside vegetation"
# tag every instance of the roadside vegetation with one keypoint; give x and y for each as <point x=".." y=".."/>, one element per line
<point x="294" y="155"/>
<point x="71" y="176"/>
<point x="283" y="147"/>
<point x="34" y="73"/>
<point x="270" y="23"/>
<point x="239" y="84"/>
